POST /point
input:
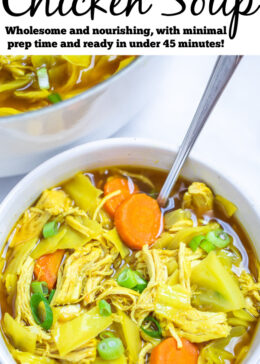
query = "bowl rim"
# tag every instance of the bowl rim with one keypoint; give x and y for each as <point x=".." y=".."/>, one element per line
<point x="114" y="143"/>
<point x="124" y="142"/>
<point x="44" y="111"/>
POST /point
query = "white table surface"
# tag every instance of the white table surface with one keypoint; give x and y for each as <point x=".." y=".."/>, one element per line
<point x="230" y="141"/>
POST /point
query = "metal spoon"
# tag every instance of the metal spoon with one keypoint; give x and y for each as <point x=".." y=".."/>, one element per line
<point x="221" y="74"/>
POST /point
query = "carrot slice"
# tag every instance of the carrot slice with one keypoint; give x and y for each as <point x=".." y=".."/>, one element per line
<point x="168" y="353"/>
<point x="139" y="220"/>
<point x="47" y="266"/>
<point x="126" y="186"/>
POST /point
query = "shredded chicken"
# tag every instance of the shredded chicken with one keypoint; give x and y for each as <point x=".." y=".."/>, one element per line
<point x="249" y="286"/>
<point x="184" y="267"/>
<point x="174" y="334"/>
<point x="198" y="326"/>
<point x="54" y="201"/>
<point x="198" y="198"/>
<point x="158" y="273"/>
<point x="145" y="350"/>
<point x="22" y="303"/>
<point x="94" y="257"/>
<point x="76" y="225"/>
<point x="81" y="273"/>
<point x="251" y="291"/>
<point x="123" y="298"/>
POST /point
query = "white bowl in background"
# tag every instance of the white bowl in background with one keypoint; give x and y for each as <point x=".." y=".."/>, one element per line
<point x="127" y="152"/>
<point x="29" y="138"/>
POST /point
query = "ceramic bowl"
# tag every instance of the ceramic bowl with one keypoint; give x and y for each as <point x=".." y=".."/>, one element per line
<point x="29" y="138"/>
<point x="127" y="152"/>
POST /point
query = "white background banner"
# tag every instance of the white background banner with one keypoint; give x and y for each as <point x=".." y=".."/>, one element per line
<point x="130" y="27"/>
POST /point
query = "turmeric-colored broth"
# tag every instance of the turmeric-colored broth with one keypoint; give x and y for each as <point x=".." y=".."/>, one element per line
<point x="23" y="87"/>
<point x="233" y="226"/>
<point x="238" y="346"/>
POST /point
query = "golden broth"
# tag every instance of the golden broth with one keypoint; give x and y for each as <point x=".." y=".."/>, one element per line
<point x="23" y="88"/>
<point x="233" y="227"/>
<point x="239" y="345"/>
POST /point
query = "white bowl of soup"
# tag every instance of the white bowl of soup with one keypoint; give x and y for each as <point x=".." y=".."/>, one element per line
<point x="121" y="280"/>
<point x="98" y="96"/>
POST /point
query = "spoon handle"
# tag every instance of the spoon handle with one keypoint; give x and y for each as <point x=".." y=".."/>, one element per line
<point x="221" y="74"/>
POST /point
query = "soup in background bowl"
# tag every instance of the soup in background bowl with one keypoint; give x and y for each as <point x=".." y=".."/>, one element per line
<point x="131" y="286"/>
<point x="29" y="138"/>
<point x="31" y="82"/>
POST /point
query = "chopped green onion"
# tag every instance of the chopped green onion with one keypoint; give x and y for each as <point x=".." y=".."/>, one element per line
<point x="127" y="278"/>
<point x="43" y="78"/>
<point x="195" y="242"/>
<point x="40" y="287"/>
<point x="51" y="295"/>
<point x="214" y="239"/>
<point x="141" y="283"/>
<point x="54" y="98"/>
<point x="50" y="229"/>
<point x="104" y="308"/>
<point x="157" y="333"/>
<point x="36" y="299"/>
<point x="140" y="287"/>
<point x="131" y="279"/>
<point x="110" y="348"/>
<point x="153" y="194"/>
<point x="219" y="238"/>
<point x="106" y="334"/>
<point x="207" y="246"/>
